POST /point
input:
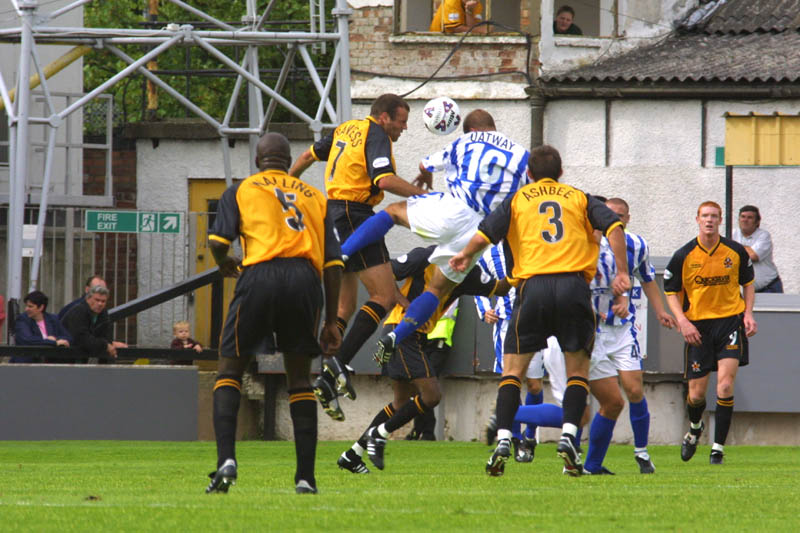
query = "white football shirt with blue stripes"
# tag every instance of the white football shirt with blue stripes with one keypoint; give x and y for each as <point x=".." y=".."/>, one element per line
<point x="639" y="266"/>
<point x="493" y="263"/>
<point x="481" y="168"/>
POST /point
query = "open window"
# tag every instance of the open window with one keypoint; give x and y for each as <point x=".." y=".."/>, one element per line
<point x="416" y="15"/>
<point x="595" y="18"/>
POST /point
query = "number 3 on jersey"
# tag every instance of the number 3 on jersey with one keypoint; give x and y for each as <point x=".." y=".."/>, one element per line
<point x="287" y="200"/>
<point x="553" y="210"/>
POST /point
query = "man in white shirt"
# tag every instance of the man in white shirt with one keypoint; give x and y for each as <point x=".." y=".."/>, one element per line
<point x="758" y="244"/>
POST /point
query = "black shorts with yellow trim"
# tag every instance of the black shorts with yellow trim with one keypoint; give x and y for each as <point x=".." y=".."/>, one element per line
<point x="551" y="304"/>
<point x="347" y="216"/>
<point x="276" y="307"/>
<point x="722" y="338"/>
<point x="411" y="359"/>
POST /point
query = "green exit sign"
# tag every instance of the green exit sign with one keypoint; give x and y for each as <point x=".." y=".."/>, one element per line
<point x="132" y="222"/>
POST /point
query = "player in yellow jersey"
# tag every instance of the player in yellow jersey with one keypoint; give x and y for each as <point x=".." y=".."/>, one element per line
<point x="360" y="167"/>
<point x="414" y="378"/>
<point x="548" y="227"/>
<point x="458" y="16"/>
<point x="290" y="251"/>
<point x="702" y="283"/>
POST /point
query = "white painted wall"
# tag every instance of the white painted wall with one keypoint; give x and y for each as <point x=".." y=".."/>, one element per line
<point x="163" y="175"/>
<point x="655" y="164"/>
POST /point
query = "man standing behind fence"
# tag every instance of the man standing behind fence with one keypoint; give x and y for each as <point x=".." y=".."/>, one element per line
<point x="90" y="327"/>
<point x="289" y="246"/>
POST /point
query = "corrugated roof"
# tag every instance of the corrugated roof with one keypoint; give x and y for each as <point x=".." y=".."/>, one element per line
<point x="701" y="57"/>
<point x="736" y="41"/>
<point x="749" y="16"/>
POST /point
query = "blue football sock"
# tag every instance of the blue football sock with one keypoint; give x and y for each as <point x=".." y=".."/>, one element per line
<point x="516" y="430"/>
<point x="600" y="433"/>
<point x="419" y="311"/>
<point x="640" y="423"/>
<point x="370" y="231"/>
<point x="533" y="399"/>
<point x="545" y="414"/>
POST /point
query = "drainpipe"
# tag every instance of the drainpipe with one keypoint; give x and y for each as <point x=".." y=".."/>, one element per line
<point x="537" y="101"/>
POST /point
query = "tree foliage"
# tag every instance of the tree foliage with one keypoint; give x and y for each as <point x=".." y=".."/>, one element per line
<point x="209" y="83"/>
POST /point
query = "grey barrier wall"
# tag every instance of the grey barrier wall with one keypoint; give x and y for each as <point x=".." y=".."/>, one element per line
<point x="103" y="402"/>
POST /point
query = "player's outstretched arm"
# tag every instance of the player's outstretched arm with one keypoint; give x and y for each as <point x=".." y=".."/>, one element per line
<point x="653" y="294"/>
<point x="424" y="178"/>
<point x="399" y="186"/>
<point x="305" y="160"/>
<point x="228" y="266"/>
<point x="463" y="259"/>
<point x="622" y="281"/>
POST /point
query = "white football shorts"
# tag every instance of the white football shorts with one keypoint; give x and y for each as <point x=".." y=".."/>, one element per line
<point x="618" y="344"/>
<point x="444" y="220"/>
<point x="599" y="368"/>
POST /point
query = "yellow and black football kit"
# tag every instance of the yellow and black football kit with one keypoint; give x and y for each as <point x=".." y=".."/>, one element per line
<point x="708" y="282"/>
<point x="287" y="239"/>
<point x="359" y="154"/>
<point x="548" y="227"/>
<point x="450" y="14"/>
<point x="412" y="358"/>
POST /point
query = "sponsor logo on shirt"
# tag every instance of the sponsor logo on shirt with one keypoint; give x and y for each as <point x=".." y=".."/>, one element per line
<point x="380" y="162"/>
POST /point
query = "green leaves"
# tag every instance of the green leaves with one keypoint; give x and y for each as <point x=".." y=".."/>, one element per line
<point x="190" y="70"/>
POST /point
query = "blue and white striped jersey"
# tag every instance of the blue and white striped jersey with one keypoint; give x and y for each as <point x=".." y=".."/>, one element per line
<point x="639" y="266"/>
<point x="481" y="168"/>
<point x="493" y="262"/>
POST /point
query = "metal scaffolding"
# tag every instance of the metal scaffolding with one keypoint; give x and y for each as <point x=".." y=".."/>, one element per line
<point x="37" y="28"/>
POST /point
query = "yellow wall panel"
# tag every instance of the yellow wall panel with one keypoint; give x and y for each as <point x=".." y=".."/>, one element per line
<point x="762" y="140"/>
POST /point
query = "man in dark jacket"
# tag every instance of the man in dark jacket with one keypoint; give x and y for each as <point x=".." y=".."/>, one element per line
<point x="36" y="327"/>
<point x="90" y="327"/>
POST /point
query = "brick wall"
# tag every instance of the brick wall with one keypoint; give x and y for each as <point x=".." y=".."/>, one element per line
<point x="372" y="52"/>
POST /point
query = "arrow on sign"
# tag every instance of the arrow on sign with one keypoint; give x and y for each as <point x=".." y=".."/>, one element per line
<point x="170" y="222"/>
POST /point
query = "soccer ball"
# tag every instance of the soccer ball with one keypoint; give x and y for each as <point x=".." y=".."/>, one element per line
<point x="441" y="115"/>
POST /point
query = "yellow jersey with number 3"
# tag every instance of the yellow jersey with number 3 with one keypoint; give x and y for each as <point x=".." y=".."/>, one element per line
<point x="549" y="229"/>
<point x="277" y="215"/>
<point x="359" y="154"/>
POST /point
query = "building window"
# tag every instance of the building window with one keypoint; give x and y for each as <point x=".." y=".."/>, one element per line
<point x="416" y="15"/>
<point x="595" y="18"/>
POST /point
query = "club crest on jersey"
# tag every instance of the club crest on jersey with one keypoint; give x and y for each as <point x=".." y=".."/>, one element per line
<point x="728" y="262"/>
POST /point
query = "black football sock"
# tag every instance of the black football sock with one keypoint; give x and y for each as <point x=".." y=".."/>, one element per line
<point x="383" y="415"/>
<point x="364" y="325"/>
<point x="507" y="401"/>
<point x="575" y="399"/>
<point x="695" y="410"/>
<point x="406" y="413"/>
<point x="722" y="419"/>
<point x="303" y="410"/>
<point x="227" y="392"/>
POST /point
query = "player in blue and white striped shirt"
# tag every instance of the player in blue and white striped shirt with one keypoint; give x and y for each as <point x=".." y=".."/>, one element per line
<point x="493" y="262"/>
<point x="481" y="168"/>
<point x="616" y="340"/>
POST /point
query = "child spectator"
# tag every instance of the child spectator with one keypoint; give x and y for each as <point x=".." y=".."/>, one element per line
<point x="182" y="341"/>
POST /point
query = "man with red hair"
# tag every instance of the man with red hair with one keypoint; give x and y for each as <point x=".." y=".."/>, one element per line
<point x="702" y="286"/>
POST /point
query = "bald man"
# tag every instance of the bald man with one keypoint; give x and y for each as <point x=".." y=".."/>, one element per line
<point x="290" y="252"/>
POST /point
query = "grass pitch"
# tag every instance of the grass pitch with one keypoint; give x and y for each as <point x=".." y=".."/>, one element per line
<point x="426" y="486"/>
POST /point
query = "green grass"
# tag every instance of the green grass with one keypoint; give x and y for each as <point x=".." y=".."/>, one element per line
<point x="427" y="486"/>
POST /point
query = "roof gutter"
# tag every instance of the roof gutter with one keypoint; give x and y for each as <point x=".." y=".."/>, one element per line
<point x="552" y="91"/>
